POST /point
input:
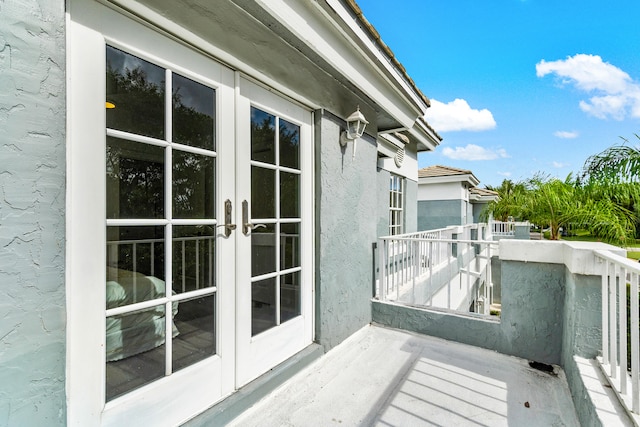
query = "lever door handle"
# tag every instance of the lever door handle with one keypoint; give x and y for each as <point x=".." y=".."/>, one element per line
<point x="249" y="227"/>
<point x="246" y="225"/>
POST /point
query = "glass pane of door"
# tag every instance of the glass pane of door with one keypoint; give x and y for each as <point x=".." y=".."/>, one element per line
<point x="275" y="214"/>
<point x="163" y="179"/>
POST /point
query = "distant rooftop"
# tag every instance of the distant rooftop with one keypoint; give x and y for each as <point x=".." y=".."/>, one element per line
<point x="483" y="192"/>
<point x="439" y="170"/>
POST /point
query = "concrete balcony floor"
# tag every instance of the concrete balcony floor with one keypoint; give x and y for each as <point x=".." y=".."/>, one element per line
<point x="386" y="377"/>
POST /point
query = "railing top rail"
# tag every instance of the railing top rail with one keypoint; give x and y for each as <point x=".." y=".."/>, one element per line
<point x="430" y="239"/>
<point x="448" y="229"/>
<point x="618" y="259"/>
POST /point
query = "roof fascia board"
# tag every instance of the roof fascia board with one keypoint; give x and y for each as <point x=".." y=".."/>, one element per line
<point x="347" y="18"/>
<point x="367" y="69"/>
<point x="427" y="141"/>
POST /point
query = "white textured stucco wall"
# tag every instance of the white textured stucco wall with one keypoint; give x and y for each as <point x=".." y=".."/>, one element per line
<point x="32" y="222"/>
<point x="442" y="191"/>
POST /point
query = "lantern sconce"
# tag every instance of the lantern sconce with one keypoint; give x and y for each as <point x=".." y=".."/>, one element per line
<point x="356" y="123"/>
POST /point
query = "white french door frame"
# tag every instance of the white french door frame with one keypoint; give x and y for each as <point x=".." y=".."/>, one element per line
<point x="175" y="398"/>
<point x="181" y="395"/>
<point x="257" y="354"/>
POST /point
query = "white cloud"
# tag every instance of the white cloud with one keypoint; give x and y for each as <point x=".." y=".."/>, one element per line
<point x="616" y="94"/>
<point x="507" y="174"/>
<point x="559" y="165"/>
<point x="457" y="115"/>
<point x="473" y="152"/>
<point x="566" y="134"/>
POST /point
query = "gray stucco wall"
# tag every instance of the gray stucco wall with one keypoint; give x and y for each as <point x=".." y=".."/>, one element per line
<point x="477" y="208"/>
<point x="382" y="211"/>
<point x="531" y="325"/>
<point x="582" y="316"/>
<point x="32" y="231"/>
<point x="582" y="337"/>
<point x="411" y="206"/>
<point x="345" y="231"/>
<point x="434" y="214"/>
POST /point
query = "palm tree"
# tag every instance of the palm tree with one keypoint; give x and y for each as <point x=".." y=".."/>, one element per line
<point x="619" y="163"/>
<point x="508" y="203"/>
<point x="549" y="202"/>
<point x="615" y="173"/>
<point x="554" y="203"/>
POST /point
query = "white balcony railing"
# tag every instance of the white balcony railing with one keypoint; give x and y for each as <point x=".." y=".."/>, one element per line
<point x="620" y="358"/>
<point x="500" y="228"/>
<point x="445" y="268"/>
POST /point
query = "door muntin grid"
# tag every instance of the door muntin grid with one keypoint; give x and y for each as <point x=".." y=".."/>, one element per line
<point x="161" y="222"/>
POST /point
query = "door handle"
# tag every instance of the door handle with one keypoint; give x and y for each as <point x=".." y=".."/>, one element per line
<point x="246" y="225"/>
<point x="249" y="226"/>
<point x="228" y="226"/>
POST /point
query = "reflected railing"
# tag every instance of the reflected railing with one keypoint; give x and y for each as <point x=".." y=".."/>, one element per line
<point x="620" y="360"/>
<point x="189" y="252"/>
<point x="189" y="248"/>
<point x="447" y="268"/>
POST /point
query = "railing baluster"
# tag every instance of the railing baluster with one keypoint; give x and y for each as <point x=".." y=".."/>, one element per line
<point x="210" y="243"/>
<point x="197" y="243"/>
<point x="153" y="258"/>
<point x="184" y="273"/>
<point x="613" y="341"/>
<point x="622" y="321"/>
<point x="135" y="270"/>
<point x="416" y="268"/>
<point x="431" y="256"/>
<point x="635" y="343"/>
<point x="448" y="278"/>
<point x="396" y="279"/>
<point x="489" y="280"/>
<point x="382" y="267"/>
<point x="605" y="313"/>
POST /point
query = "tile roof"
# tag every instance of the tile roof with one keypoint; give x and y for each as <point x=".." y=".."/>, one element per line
<point x="438" y="170"/>
<point x="483" y="192"/>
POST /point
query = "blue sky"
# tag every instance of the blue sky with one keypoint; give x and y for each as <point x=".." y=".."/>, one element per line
<point x="519" y="86"/>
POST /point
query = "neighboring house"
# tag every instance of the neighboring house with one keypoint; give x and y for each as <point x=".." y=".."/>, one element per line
<point x="179" y="214"/>
<point x="480" y="198"/>
<point x="444" y="197"/>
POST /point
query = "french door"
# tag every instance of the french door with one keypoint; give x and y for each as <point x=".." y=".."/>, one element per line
<point x="275" y="201"/>
<point x="194" y="185"/>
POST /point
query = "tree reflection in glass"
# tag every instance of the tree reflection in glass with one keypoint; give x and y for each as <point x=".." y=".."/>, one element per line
<point x="193" y="113"/>
<point x="136" y="87"/>
<point x="135" y="180"/>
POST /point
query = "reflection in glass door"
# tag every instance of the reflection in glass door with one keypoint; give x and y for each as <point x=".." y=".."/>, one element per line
<point x="275" y="220"/>
<point x="161" y="239"/>
<point x="274" y="250"/>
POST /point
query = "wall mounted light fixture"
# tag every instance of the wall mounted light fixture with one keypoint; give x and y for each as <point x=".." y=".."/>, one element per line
<point x="356" y="123"/>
